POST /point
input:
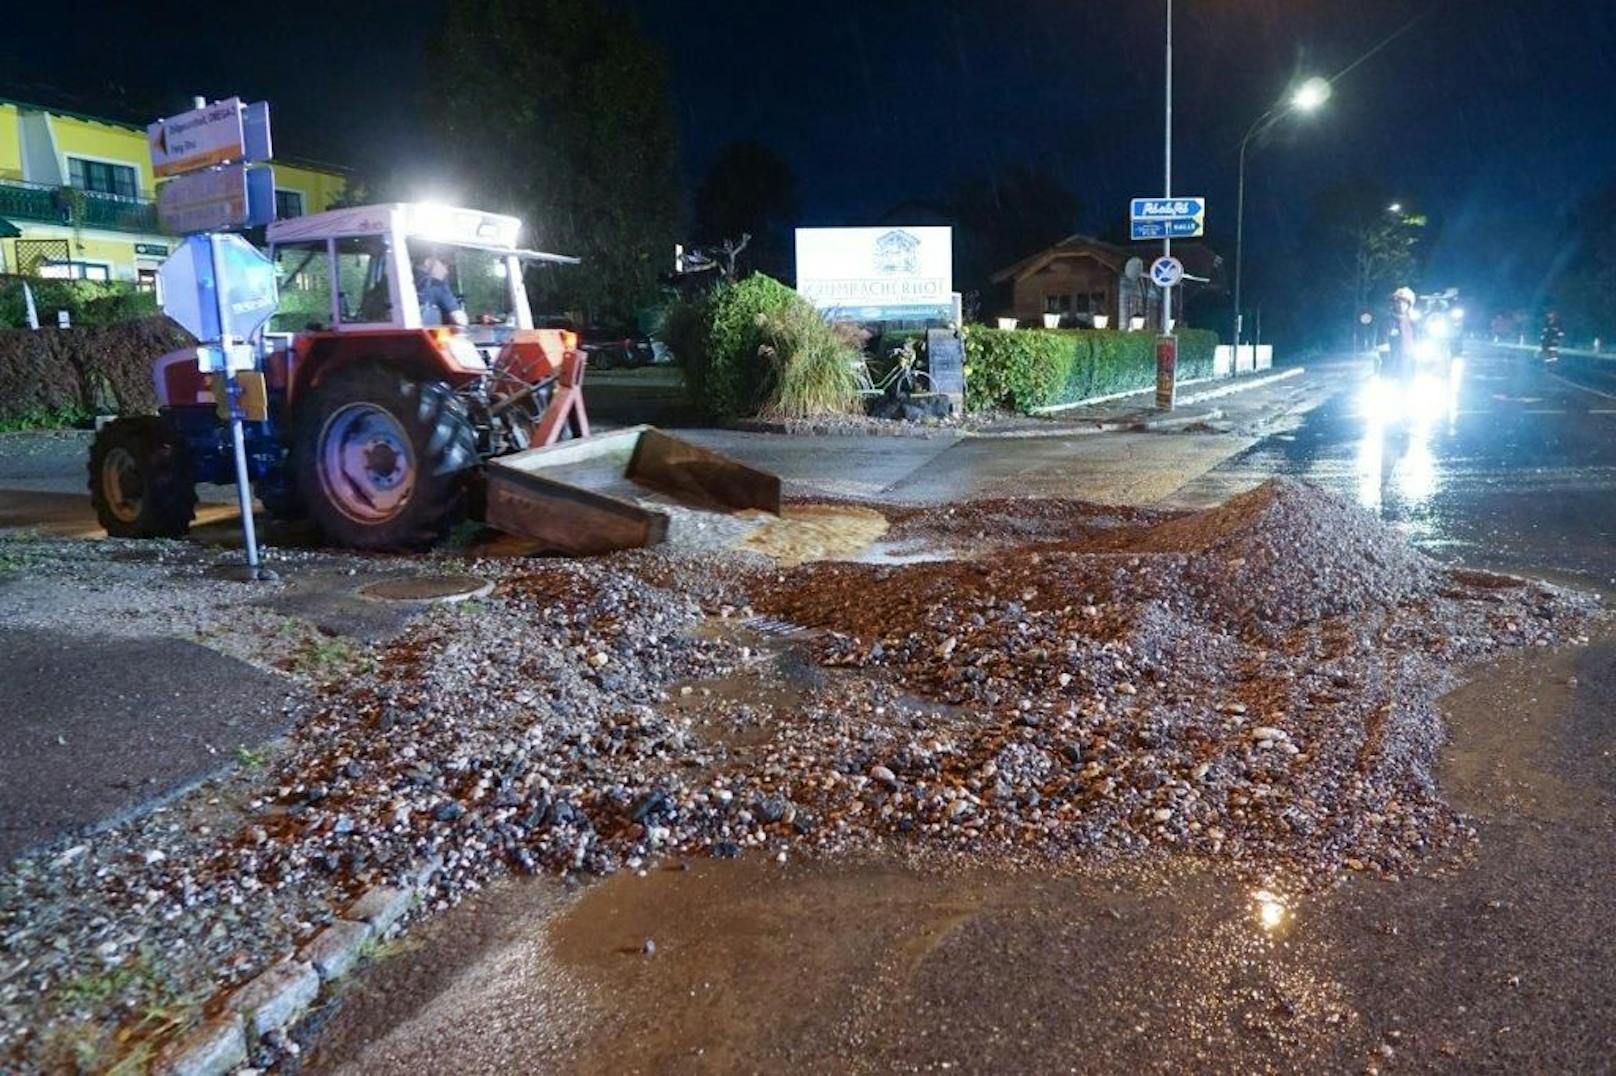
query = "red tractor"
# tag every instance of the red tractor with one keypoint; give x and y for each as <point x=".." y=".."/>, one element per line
<point x="401" y="357"/>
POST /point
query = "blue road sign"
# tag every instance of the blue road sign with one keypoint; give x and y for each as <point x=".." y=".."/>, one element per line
<point x="1166" y="272"/>
<point x="1166" y="218"/>
<point x="1164" y="208"/>
<point x="1164" y="229"/>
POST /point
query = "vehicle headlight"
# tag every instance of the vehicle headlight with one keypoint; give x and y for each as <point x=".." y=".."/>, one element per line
<point x="1457" y="313"/>
<point x="1436" y="325"/>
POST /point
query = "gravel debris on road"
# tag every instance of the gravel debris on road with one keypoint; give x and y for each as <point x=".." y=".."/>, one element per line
<point x="1254" y="684"/>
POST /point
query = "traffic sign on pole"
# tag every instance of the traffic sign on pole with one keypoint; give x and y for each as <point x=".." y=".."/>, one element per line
<point x="191" y="293"/>
<point x="234" y="196"/>
<point x="1166" y="272"/>
<point x="216" y="284"/>
<point x="1166" y="218"/>
<point x="198" y="138"/>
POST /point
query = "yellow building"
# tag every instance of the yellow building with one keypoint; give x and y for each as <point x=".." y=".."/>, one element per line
<point x="77" y="196"/>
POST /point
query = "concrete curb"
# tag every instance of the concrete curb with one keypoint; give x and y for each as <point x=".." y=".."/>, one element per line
<point x="277" y="998"/>
<point x="1170" y="421"/>
<point x="1124" y="425"/>
<point x="1255" y="381"/>
<point x="823" y="429"/>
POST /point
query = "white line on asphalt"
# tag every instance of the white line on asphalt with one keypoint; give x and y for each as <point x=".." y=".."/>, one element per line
<point x="1584" y="388"/>
<point x="1602" y="410"/>
<point x="1542" y="411"/>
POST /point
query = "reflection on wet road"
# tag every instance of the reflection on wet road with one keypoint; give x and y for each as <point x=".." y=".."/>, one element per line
<point x="1497" y="463"/>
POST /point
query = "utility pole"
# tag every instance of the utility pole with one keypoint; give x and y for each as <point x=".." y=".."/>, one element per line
<point x="1166" y="345"/>
<point x="1167" y="166"/>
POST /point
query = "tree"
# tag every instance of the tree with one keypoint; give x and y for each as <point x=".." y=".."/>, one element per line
<point x="749" y="190"/>
<point x="1372" y="246"/>
<point x="1007" y="216"/>
<point x="558" y="110"/>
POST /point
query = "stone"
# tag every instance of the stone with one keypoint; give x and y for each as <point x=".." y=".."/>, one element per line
<point x="212" y="1049"/>
<point x="276" y="996"/>
<point x="334" y="950"/>
<point x="885" y="776"/>
<point x="381" y="908"/>
<point x="1268" y="732"/>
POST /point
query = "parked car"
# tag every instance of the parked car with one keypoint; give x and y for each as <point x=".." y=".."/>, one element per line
<point x="609" y="347"/>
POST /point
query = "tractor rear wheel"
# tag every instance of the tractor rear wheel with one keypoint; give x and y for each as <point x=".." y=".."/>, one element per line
<point x="382" y="460"/>
<point x="140" y="479"/>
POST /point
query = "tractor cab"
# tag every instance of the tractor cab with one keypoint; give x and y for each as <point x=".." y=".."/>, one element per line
<point x="407" y="268"/>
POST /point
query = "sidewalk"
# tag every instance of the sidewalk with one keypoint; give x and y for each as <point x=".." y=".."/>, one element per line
<point x="1137" y="411"/>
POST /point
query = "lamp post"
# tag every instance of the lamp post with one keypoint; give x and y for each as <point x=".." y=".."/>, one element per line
<point x="1310" y="96"/>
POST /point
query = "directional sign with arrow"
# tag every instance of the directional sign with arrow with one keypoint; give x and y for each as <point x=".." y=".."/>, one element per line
<point x="1166" y="218"/>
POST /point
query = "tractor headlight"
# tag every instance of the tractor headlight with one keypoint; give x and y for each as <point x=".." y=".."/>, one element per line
<point x="1436" y="326"/>
<point x="1457" y="313"/>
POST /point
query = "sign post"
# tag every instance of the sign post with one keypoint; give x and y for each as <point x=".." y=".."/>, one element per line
<point x="1166" y="272"/>
<point x="216" y="284"/>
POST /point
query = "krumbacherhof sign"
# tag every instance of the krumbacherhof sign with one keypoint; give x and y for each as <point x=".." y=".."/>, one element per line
<point x="877" y="274"/>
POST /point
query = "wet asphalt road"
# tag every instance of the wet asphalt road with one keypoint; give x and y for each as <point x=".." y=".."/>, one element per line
<point x="1506" y="465"/>
<point x="1502" y="963"/>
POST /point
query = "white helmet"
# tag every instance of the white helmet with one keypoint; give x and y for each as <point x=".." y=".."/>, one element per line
<point x="1405" y="293"/>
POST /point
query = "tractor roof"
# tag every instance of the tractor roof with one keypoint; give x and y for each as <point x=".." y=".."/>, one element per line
<point x="419" y="220"/>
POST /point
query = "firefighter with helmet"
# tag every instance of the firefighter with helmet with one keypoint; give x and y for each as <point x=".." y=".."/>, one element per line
<point x="1397" y="347"/>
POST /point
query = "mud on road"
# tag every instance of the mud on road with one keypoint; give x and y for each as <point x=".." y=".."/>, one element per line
<point x="1247" y="693"/>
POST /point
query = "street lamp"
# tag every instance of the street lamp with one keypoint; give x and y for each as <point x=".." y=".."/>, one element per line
<point x="1309" y="96"/>
<point x="1395" y="207"/>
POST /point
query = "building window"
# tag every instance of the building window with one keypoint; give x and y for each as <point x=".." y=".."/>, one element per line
<point x="1057" y="304"/>
<point x="1098" y="302"/>
<point x="146" y="280"/>
<point x="288" y="204"/>
<point x="99" y="177"/>
<point x="75" y="271"/>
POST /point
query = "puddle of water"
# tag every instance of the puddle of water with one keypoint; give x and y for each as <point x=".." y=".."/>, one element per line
<point x="807" y="532"/>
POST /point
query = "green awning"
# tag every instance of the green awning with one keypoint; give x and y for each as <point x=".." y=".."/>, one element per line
<point x="9" y="230"/>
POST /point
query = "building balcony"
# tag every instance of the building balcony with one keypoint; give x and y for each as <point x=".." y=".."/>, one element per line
<point x="44" y="204"/>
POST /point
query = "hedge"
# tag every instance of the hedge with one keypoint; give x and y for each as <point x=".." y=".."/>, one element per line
<point x="86" y="370"/>
<point x="1023" y="370"/>
<point x="87" y="302"/>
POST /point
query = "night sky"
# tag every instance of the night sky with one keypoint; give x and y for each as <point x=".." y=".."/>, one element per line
<point x="1492" y="116"/>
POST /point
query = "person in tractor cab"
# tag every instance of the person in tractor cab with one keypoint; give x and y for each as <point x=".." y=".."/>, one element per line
<point x="439" y="304"/>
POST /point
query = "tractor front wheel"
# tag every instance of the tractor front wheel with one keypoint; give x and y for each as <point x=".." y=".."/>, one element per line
<point x="140" y="479"/>
<point x="383" y="460"/>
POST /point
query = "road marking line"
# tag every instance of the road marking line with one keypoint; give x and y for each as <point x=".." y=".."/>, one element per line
<point x="1542" y="411"/>
<point x="1584" y="388"/>
<point x="1602" y="410"/>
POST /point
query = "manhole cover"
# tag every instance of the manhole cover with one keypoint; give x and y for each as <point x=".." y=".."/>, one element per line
<point x="452" y="587"/>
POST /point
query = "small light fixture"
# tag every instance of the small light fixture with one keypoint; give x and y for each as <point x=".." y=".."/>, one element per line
<point x="1395" y="207"/>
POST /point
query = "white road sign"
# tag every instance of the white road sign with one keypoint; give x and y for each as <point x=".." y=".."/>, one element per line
<point x="230" y="197"/>
<point x="1166" y="272"/>
<point x="190" y="287"/>
<point x="198" y="138"/>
